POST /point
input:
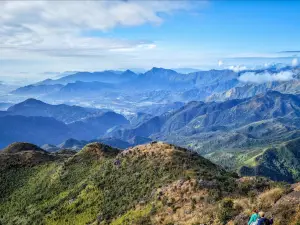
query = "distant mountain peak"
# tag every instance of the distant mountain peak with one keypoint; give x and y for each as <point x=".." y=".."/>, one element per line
<point x="128" y="72"/>
<point x="160" y="69"/>
<point x="71" y="142"/>
<point x="33" y="101"/>
<point x="50" y="148"/>
<point x="157" y="68"/>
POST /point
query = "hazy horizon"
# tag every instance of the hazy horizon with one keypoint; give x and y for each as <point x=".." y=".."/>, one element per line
<point x="54" y="37"/>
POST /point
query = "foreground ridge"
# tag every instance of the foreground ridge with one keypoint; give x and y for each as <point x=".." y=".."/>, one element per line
<point x="155" y="183"/>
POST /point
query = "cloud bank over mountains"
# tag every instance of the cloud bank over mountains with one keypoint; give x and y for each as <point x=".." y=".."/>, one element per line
<point x="258" y="78"/>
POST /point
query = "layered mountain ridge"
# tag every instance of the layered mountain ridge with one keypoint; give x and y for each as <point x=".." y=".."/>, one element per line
<point x="41" y="123"/>
<point x="217" y="113"/>
<point x="200" y="117"/>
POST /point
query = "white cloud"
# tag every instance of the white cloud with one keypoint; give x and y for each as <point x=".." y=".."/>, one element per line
<point x="251" y="77"/>
<point x="54" y="27"/>
<point x="36" y="35"/>
<point x="237" y="68"/>
<point x="295" y="62"/>
<point x="39" y="36"/>
<point x="100" y="15"/>
<point x="220" y="63"/>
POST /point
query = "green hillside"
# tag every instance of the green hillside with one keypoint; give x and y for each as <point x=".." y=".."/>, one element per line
<point x="278" y="163"/>
<point x="155" y="183"/>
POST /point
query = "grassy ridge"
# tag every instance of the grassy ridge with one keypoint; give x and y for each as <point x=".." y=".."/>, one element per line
<point x="85" y="188"/>
<point x="151" y="184"/>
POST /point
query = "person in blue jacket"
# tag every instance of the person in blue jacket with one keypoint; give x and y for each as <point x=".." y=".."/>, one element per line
<point x="254" y="217"/>
<point x="264" y="221"/>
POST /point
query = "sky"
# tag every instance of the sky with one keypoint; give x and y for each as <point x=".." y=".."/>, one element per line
<point x="38" y="38"/>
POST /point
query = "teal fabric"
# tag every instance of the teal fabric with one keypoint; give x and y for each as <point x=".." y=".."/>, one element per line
<point x="253" y="218"/>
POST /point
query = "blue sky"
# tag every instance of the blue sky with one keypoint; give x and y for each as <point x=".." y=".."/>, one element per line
<point x="42" y="36"/>
<point x="229" y="26"/>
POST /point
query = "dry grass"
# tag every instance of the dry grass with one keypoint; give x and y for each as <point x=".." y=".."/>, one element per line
<point x="268" y="198"/>
<point x="244" y="205"/>
<point x="158" y="149"/>
<point x="296" y="220"/>
<point x="184" y="205"/>
<point x="297" y="187"/>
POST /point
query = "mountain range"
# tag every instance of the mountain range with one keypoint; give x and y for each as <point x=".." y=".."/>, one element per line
<point x="41" y="123"/>
<point x="215" y="129"/>
<point x="62" y="112"/>
<point x="208" y="117"/>
<point x="250" y="90"/>
<point x="216" y="113"/>
<point x="131" y="92"/>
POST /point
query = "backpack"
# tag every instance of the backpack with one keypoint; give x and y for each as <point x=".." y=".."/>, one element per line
<point x="268" y="221"/>
<point x="264" y="221"/>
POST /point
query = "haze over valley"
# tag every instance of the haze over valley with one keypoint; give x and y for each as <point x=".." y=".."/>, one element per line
<point x="214" y="112"/>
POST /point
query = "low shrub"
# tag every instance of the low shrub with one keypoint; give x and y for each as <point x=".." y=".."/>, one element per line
<point x="268" y="198"/>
